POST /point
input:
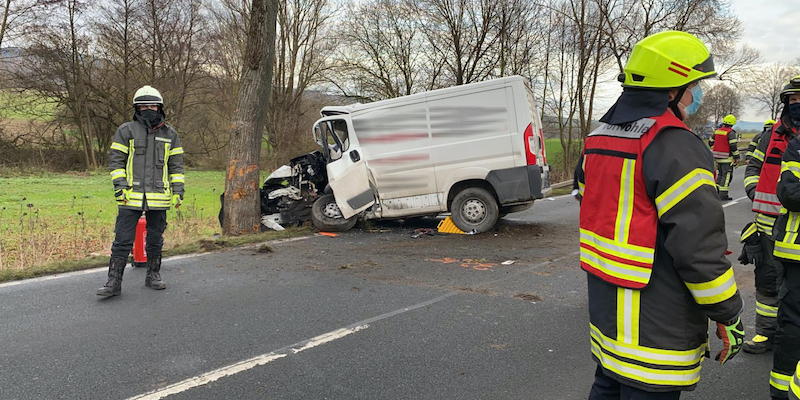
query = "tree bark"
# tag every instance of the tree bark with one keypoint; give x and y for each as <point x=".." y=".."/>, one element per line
<point x="242" y="213"/>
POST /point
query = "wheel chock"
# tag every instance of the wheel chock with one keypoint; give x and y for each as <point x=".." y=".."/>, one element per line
<point x="447" y="226"/>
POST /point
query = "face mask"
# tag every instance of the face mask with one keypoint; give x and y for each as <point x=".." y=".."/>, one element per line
<point x="151" y="117"/>
<point x="794" y="111"/>
<point x="697" y="100"/>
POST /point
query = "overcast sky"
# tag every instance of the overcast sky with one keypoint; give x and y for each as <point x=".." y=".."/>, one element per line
<point x="772" y="27"/>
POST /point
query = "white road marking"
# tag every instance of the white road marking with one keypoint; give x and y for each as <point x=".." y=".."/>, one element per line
<point x="248" y="364"/>
<point x="277" y="354"/>
<point x="166" y="260"/>
<point x="732" y="202"/>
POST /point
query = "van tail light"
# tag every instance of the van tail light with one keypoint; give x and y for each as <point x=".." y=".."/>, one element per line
<point x="542" y="147"/>
<point x="528" y="138"/>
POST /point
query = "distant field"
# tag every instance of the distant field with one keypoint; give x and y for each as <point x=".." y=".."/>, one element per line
<point x="69" y="216"/>
<point x="25" y="106"/>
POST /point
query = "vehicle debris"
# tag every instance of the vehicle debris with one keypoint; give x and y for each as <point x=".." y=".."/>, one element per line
<point x="419" y="232"/>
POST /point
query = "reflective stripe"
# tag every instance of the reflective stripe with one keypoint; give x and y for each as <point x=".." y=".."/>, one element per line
<point x="581" y="188"/>
<point x="615" y="268"/>
<point x="789" y="251"/>
<point x="719" y="154"/>
<point x="129" y="165"/>
<point x="779" y="381"/>
<point x="715" y="291"/>
<point x="165" y="170"/>
<point x="119" y="146"/>
<point x="765" y="223"/>
<point x="176" y="151"/>
<point x="618" y="249"/>
<point x="174" y="178"/>
<point x="751" y="229"/>
<point x="766" y="203"/>
<point x="794" y="387"/>
<point x="625" y="207"/>
<point x="765" y="310"/>
<point x="682" y="188"/>
<point x="792" y="166"/>
<point x="149" y="195"/>
<point x="117" y="173"/>
<point x="628" y="301"/>
<point x="751" y="180"/>
<point x="647" y="354"/>
<point x="758" y="155"/>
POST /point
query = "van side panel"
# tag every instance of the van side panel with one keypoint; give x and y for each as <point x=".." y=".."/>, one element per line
<point x="396" y="143"/>
<point x="470" y="135"/>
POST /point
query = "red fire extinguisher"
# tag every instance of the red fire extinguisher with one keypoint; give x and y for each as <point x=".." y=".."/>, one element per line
<point x="139" y="254"/>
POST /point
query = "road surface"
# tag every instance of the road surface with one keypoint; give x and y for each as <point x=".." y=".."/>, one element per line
<point x="370" y="314"/>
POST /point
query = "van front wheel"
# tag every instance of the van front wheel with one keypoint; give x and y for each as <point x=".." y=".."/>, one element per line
<point x="474" y="209"/>
<point x="326" y="216"/>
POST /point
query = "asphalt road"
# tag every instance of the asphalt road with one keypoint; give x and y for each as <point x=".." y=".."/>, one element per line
<point x="370" y="314"/>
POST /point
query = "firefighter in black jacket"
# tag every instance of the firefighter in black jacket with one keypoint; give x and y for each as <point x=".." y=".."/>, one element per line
<point x="146" y="160"/>
<point x="652" y="234"/>
<point x="751" y="148"/>
<point x="787" y="248"/>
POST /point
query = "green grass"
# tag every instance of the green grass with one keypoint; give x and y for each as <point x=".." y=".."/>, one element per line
<point x="49" y="218"/>
<point x="198" y="246"/>
<point x="26" y="106"/>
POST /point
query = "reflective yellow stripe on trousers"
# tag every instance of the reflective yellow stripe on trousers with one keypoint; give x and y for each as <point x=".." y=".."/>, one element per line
<point x="794" y="386"/>
<point x="787" y="247"/>
<point x="779" y="381"/>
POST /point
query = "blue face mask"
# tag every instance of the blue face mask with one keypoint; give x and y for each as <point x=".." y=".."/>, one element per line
<point x="697" y="100"/>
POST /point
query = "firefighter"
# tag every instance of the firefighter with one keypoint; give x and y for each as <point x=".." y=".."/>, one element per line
<point x="146" y="160"/>
<point x="725" y="148"/>
<point x="754" y="143"/>
<point x="761" y="180"/>
<point x="652" y="234"/>
<point x="786" y="345"/>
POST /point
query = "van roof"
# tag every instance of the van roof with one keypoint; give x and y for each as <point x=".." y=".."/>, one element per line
<point x="349" y="109"/>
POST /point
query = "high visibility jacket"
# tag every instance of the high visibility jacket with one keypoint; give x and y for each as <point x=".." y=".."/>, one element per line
<point x="654" y="190"/>
<point x="794" y="385"/>
<point x="787" y="226"/>
<point x="767" y="154"/>
<point x="725" y="145"/>
<point x="147" y="164"/>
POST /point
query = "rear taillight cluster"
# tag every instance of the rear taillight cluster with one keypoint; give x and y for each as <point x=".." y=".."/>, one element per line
<point x="529" y="139"/>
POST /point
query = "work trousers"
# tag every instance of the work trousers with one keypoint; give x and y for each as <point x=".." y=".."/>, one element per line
<point x="786" y="350"/>
<point x="724" y="177"/>
<point x="769" y="277"/>
<point x="125" y="232"/>
<point x="606" y="388"/>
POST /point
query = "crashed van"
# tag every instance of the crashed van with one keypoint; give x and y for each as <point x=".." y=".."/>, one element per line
<point x="475" y="151"/>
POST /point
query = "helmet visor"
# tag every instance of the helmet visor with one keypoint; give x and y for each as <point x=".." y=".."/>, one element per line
<point x="706" y="66"/>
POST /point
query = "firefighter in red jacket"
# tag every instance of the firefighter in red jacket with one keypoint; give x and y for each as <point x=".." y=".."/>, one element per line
<point x="652" y="234"/>
<point x="725" y="148"/>
<point x="786" y="349"/>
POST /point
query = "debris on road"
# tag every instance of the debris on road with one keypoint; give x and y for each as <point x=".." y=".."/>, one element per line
<point x="419" y="232"/>
<point x="328" y="234"/>
<point x="527" y="297"/>
<point x="265" y="248"/>
<point x="507" y="262"/>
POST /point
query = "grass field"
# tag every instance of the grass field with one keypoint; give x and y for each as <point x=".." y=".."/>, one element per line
<point x="71" y="216"/>
<point x="25" y="106"/>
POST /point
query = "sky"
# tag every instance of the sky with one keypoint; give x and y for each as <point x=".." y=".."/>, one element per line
<point x="770" y="26"/>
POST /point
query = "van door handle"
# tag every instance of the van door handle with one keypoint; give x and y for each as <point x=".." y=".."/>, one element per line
<point x="355" y="156"/>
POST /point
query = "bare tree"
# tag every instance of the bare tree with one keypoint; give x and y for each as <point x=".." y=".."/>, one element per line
<point x="242" y="206"/>
<point x="765" y="85"/>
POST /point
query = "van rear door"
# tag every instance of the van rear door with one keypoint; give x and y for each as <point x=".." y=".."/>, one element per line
<point x="348" y="175"/>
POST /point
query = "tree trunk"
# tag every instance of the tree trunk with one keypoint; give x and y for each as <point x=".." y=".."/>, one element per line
<point x="242" y="201"/>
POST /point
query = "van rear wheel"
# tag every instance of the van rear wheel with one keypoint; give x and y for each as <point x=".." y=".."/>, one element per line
<point x="326" y="216"/>
<point x="475" y="209"/>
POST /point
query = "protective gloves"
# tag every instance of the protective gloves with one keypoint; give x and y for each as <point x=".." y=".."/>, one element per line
<point x="177" y="200"/>
<point x="732" y="336"/>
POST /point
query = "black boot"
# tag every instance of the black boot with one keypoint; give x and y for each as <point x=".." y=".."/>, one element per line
<point x="114" y="285"/>
<point x="153" y="277"/>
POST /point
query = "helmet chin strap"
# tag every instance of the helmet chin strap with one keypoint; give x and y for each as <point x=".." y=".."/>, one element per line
<point x="673" y="105"/>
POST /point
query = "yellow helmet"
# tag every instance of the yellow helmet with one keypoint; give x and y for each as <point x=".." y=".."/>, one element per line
<point x="769" y="122"/>
<point x="793" y="86"/>
<point x="147" y="95"/>
<point x="729" y="120"/>
<point x="667" y="60"/>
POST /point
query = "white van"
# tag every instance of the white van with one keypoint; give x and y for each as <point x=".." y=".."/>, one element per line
<point x="476" y="151"/>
